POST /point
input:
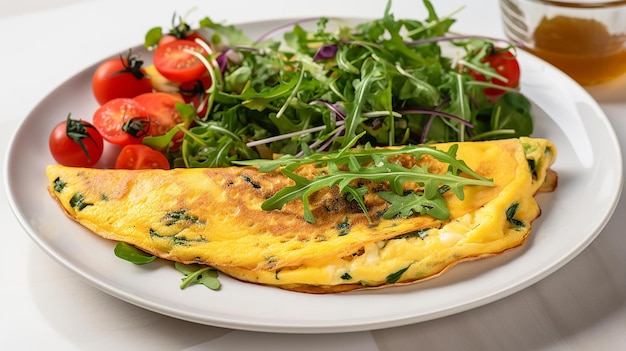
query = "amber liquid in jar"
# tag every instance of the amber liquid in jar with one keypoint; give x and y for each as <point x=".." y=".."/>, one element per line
<point x="582" y="48"/>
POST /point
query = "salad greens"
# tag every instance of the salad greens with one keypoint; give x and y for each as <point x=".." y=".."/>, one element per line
<point x="316" y="87"/>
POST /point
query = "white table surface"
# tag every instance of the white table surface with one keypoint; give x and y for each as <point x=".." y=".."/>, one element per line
<point x="582" y="306"/>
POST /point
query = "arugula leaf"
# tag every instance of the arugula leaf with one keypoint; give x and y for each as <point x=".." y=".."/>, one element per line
<point x="371" y="72"/>
<point x="232" y="34"/>
<point x="413" y="203"/>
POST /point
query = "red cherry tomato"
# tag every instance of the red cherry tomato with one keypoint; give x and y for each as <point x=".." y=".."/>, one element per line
<point x="161" y="109"/>
<point x="194" y="93"/>
<point x="506" y="65"/>
<point x="76" y="143"/>
<point x="119" y="78"/>
<point x="122" y="121"/>
<point x="139" y="156"/>
<point x="168" y="38"/>
<point x="195" y="35"/>
<point x="191" y="35"/>
<point x="175" y="64"/>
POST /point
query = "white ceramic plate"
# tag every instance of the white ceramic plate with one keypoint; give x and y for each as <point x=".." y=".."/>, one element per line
<point x="590" y="181"/>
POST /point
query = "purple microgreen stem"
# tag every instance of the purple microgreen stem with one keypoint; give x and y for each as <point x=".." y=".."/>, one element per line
<point x="332" y="107"/>
<point x="326" y="143"/>
<point x="433" y="114"/>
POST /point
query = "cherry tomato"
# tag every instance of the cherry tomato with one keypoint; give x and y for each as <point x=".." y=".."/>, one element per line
<point x="75" y="143"/>
<point x="140" y="156"/>
<point x="161" y="109"/>
<point x="506" y="65"/>
<point x="122" y="121"/>
<point x="194" y="93"/>
<point x="191" y="36"/>
<point x="121" y="77"/>
<point x="167" y="38"/>
<point x="174" y="63"/>
<point x="195" y="35"/>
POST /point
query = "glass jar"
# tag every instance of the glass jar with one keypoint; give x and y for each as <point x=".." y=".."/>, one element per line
<point x="584" y="38"/>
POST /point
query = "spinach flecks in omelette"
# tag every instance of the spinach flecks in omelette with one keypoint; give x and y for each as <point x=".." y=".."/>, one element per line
<point x="394" y="277"/>
<point x="420" y="233"/>
<point x="156" y="235"/>
<point x="532" y="167"/>
<point x="252" y="182"/>
<point x="511" y="211"/>
<point x="153" y="233"/>
<point x="182" y="240"/>
<point x="181" y="216"/>
<point x="443" y="189"/>
<point x="177" y="239"/>
<point x="343" y="227"/>
<point x="58" y="185"/>
<point x="209" y="218"/>
<point x="173" y="226"/>
<point x="104" y="197"/>
<point x="78" y="202"/>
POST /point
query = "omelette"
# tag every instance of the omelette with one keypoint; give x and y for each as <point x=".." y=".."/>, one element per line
<point x="214" y="216"/>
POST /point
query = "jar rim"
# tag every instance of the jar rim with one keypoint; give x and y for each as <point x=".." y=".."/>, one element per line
<point x="585" y="4"/>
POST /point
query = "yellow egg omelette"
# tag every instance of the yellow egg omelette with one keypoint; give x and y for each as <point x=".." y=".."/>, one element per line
<point x="214" y="216"/>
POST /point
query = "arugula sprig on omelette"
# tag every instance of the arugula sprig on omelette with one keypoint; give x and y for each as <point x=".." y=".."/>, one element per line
<point x="350" y="167"/>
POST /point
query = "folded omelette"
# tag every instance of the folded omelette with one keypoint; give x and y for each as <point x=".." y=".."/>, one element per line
<point x="213" y="216"/>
